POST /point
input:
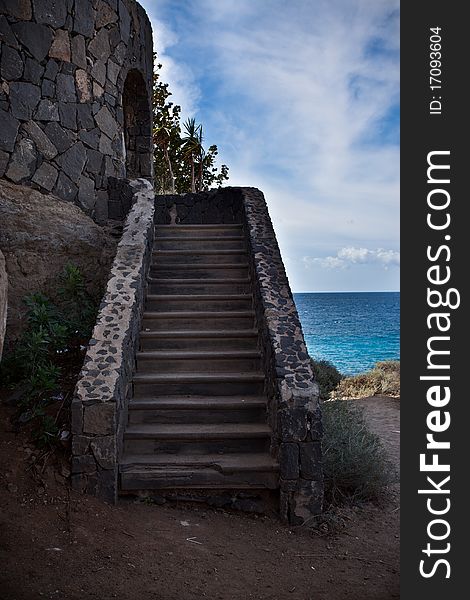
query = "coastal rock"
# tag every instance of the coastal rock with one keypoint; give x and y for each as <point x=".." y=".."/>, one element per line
<point x="40" y="233"/>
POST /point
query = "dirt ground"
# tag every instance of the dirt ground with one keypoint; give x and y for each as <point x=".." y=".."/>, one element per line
<point x="57" y="544"/>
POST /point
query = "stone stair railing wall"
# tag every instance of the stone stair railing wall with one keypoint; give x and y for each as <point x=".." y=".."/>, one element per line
<point x="99" y="406"/>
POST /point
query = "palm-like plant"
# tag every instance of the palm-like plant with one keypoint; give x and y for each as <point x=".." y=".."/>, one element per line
<point x="192" y="148"/>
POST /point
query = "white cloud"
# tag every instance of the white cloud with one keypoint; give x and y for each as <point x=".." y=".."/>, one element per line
<point x="348" y="256"/>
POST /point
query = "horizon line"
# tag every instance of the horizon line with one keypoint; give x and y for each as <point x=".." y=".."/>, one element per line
<point x="347" y="292"/>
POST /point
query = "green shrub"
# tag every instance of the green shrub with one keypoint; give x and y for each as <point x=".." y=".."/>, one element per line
<point x="32" y="367"/>
<point x="384" y="378"/>
<point x="355" y="466"/>
<point x="327" y="376"/>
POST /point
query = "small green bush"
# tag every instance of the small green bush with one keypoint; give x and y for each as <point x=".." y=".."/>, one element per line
<point x="32" y="367"/>
<point x="327" y="376"/>
<point x="355" y="466"/>
<point x="384" y="378"/>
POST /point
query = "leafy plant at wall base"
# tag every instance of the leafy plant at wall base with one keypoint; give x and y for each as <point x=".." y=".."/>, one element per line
<point x="32" y="368"/>
<point x="327" y="376"/>
<point x="355" y="466"/>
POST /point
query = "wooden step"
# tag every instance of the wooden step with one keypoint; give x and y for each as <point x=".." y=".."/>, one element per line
<point x="196" y="438"/>
<point x="178" y="361"/>
<point x="198" y="409"/>
<point x="198" y="302"/>
<point x="199" y="271"/>
<point x="218" y="256"/>
<point x="189" y="231"/>
<point x="242" y="339"/>
<point x="173" y="285"/>
<point x="172" y="471"/>
<point x="196" y="243"/>
<point x="198" y="320"/>
<point x="198" y="384"/>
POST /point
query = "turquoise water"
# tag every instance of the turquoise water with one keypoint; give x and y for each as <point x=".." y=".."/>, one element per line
<point x="352" y="330"/>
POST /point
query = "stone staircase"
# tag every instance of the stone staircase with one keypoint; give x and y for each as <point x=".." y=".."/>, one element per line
<point x="197" y="419"/>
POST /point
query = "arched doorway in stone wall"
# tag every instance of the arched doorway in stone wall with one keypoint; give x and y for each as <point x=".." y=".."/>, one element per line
<point x="137" y="126"/>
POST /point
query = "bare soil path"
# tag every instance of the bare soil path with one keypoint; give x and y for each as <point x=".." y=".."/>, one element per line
<point x="56" y="544"/>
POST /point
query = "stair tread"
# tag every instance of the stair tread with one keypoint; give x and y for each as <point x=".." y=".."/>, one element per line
<point x="257" y="461"/>
<point x="216" y="314"/>
<point x="199" y="226"/>
<point x="195" y="377"/>
<point x="195" y="402"/>
<point x="196" y="430"/>
<point x="197" y="266"/>
<point x="199" y="252"/>
<point x="197" y="354"/>
<point x="206" y="333"/>
<point x="201" y="238"/>
<point x="199" y="297"/>
<point x="208" y="280"/>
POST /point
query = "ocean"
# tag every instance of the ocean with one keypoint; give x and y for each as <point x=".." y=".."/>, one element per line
<point x="352" y="330"/>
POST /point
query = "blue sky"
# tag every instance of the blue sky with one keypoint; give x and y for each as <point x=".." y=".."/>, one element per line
<point x="302" y="99"/>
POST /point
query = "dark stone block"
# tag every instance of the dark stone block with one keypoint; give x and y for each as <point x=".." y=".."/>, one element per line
<point x="23" y="161"/>
<point x="107" y="487"/>
<point x="6" y="34"/>
<point x="11" y="65"/>
<point x="94" y="161"/>
<point x="98" y="72"/>
<point x="62" y="139"/>
<point x="84" y="21"/>
<point x="99" y="46"/>
<point x="48" y="89"/>
<point x="33" y="71"/>
<point x="83" y="464"/>
<point x="289" y="461"/>
<point x="50" y="12"/>
<point x="91" y="138"/>
<point x="105" y="15"/>
<point x="65" y="188"/>
<point x="66" y="88"/>
<point x="78" y="51"/>
<point x="19" y="9"/>
<point x="8" y="131"/>
<point x="73" y="160"/>
<point x="68" y="116"/>
<point x="47" y="111"/>
<point x="46" y="176"/>
<point x="86" y="193"/>
<point x="310" y="460"/>
<point x="37" y="38"/>
<point x="293" y="424"/>
<point x="84" y="117"/>
<point x="124" y="22"/>
<point x="52" y="68"/>
<point x="24" y="98"/>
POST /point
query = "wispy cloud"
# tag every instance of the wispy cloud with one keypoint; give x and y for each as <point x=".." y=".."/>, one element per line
<point x="346" y="257"/>
<point x="302" y="101"/>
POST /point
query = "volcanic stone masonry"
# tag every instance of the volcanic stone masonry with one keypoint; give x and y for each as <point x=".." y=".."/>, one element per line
<point x="75" y="93"/>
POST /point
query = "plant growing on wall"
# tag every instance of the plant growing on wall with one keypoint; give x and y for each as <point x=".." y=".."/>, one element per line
<point x="181" y="162"/>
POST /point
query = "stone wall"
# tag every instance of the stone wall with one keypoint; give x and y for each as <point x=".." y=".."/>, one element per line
<point x="75" y="94"/>
<point x="215" y="206"/>
<point x="99" y="406"/>
<point x="294" y="411"/>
